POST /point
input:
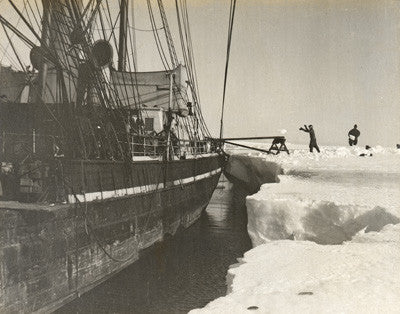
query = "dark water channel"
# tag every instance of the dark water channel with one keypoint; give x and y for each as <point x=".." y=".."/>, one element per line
<point x="181" y="274"/>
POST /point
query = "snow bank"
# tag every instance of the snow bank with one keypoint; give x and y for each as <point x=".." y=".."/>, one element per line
<point x="327" y="197"/>
<point x="361" y="276"/>
<point x="331" y="158"/>
<point x="327" y="212"/>
<point x="336" y="197"/>
<point x="251" y="172"/>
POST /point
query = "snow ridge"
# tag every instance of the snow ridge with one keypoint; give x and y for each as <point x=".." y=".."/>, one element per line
<point x="343" y="212"/>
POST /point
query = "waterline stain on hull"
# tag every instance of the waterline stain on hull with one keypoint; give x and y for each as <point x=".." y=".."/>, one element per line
<point x="51" y="255"/>
<point x="187" y="271"/>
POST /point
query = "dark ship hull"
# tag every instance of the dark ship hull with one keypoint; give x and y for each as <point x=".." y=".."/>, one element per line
<point x="49" y="255"/>
<point x="98" y="159"/>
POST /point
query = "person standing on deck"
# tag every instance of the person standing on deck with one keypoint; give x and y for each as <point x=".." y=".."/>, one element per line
<point x="353" y="134"/>
<point x="313" y="139"/>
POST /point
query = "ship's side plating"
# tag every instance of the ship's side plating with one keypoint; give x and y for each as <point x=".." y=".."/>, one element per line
<point x="51" y="254"/>
<point x="97" y="162"/>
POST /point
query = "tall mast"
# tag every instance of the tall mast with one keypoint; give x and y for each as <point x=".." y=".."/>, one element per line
<point x="170" y="42"/>
<point x="123" y="27"/>
<point x="40" y="96"/>
<point x="45" y="40"/>
<point x="133" y="36"/>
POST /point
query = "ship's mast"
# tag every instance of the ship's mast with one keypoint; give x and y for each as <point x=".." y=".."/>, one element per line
<point x="45" y="40"/>
<point x="123" y="25"/>
<point x="170" y="42"/>
<point x="42" y="75"/>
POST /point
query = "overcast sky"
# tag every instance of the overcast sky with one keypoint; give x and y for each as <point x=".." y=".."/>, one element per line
<point x="329" y="63"/>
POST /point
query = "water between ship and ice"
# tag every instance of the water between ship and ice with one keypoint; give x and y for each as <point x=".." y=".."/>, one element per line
<point x="185" y="272"/>
<point x="342" y="211"/>
<point x="329" y="198"/>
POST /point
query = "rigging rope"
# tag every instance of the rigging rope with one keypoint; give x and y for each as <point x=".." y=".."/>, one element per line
<point x="132" y="35"/>
<point x="34" y="17"/>
<point x="8" y="44"/>
<point x="170" y="43"/>
<point x="157" y="37"/>
<point x="10" y="57"/>
<point x="187" y="51"/>
<point x="67" y="58"/>
<point x="228" y="50"/>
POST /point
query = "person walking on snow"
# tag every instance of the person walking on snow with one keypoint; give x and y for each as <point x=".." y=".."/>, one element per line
<point x="353" y="134"/>
<point x="313" y="139"/>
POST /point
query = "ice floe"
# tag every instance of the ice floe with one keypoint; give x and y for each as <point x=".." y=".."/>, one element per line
<point x="343" y="212"/>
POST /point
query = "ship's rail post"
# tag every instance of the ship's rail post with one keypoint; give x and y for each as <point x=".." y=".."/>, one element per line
<point x="148" y="145"/>
<point x="33" y="141"/>
<point x="3" y="143"/>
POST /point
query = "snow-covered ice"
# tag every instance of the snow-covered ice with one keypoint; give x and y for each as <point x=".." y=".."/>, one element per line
<point x="327" y="197"/>
<point x="323" y="209"/>
<point x="336" y="197"/>
<point x="361" y="276"/>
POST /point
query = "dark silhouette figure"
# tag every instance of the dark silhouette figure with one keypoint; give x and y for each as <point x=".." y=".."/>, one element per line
<point x="313" y="139"/>
<point x="353" y="134"/>
<point x="367" y="152"/>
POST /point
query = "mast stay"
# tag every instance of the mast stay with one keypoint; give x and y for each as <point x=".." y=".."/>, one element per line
<point x="73" y="69"/>
<point x="228" y="50"/>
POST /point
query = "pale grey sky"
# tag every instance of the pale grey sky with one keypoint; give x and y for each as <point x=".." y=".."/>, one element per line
<point x="330" y="63"/>
<point x="327" y="63"/>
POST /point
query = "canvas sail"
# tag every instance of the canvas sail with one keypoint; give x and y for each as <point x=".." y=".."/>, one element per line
<point x="152" y="89"/>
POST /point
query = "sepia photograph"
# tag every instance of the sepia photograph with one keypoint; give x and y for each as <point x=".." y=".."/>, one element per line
<point x="199" y="156"/>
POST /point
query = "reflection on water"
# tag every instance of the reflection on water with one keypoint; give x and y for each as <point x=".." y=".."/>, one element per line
<point x="180" y="274"/>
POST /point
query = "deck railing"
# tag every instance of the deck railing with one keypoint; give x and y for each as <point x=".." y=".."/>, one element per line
<point x="17" y="146"/>
<point x="144" y="145"/>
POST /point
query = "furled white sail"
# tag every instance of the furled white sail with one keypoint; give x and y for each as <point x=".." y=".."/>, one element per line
<point x="152" y="89"/>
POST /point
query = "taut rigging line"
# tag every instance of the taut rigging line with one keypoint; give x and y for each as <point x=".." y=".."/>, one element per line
<point x="228" y="50"/>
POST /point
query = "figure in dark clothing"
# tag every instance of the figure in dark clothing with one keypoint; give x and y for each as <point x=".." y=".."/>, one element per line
<point x="367" y="152"/>
<point x="354" y="133"/>
<point x="313" y="139"/>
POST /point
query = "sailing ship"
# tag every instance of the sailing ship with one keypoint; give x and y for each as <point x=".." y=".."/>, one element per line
<point x="98" y="160"/>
